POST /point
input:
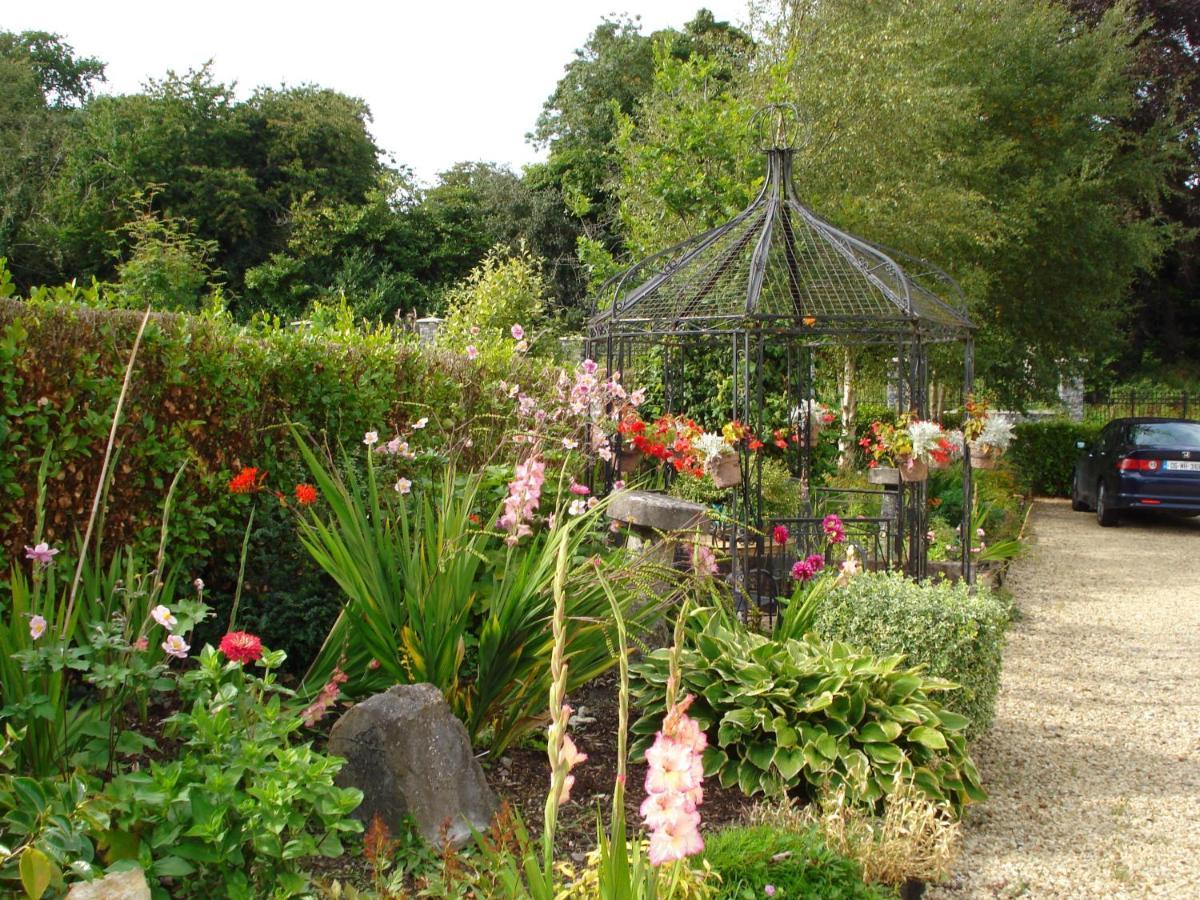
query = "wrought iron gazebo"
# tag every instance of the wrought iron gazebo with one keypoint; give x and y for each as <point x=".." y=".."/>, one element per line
<point x="765" y="292"/>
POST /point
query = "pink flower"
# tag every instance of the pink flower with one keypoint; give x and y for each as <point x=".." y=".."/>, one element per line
<point x="806" y="570"/>
<point x="141" y="644"/>
<point x="472" y="351"/>
<point x="769" y="890"/>
<point x="37" y="626"/>
<point x="43" y="553"/>
<point x="175" y="646"/>
<point x="371" y="438"/>
<point x="589" y="366"/>
<point x="619" y="485"/>
<point x="577" y="508"/>
<point x="704" y="561"/>
<point x="676" y="839"/>
<point x="163" y="617"/>
<point x="517" y="332"/>
<point x="316" y="711"/>
<point x="403" y="486"/>
<point x="834" y="529"/>
<point x="674" y="787"/>
<point x="780" y="534"/>
<point x="581" y="489"/>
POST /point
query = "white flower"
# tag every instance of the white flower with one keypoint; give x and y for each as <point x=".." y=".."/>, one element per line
<point x="198" y="584"/>
<point x="420" y="423"/>
<point x="577" y="508"/>
<point x="37" y="627"/>
<point x="711" y="445"/>
<point x="605" y="453"/>
<point x="175" y="646"/>
<point x="924" y="437"/>
<point x="569" y="443"/>
<point x="522" y="346"/>
<point x="371" y="438"/>
<point x="403" y="486"/>
<point x="997" y="432"/>
<point x="638" y="397"/>
<point x="163" y="617"/>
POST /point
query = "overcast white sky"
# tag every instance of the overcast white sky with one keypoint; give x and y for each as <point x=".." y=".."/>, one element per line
<point x="446" y="80"/>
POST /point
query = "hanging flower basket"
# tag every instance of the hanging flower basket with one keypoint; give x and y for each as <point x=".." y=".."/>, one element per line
<point x="913" y="470"/>
<point x="629" y="460"/>
<point x="725" y="470"/>
<point x="883" y="475"/>
<point x="943" y="463"/>
<point x="983" y="456"/>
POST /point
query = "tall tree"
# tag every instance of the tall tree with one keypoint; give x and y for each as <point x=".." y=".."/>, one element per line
<point x="42" y="83"/>
<point x="1167" y="64"/>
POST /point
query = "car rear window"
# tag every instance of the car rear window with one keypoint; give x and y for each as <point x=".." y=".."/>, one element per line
<point x="1166" y="434"/>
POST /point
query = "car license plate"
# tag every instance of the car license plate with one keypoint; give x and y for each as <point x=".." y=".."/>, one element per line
<point x="1175" y="465"/>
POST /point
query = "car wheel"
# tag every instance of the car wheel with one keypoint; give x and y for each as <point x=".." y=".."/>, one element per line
<point x="1077" y="503"/>
<point x="1104" y="515"/>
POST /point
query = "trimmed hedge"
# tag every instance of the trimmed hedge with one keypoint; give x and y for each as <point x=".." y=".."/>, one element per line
<point x="1044" y="454"/>
<point x="218" y="396"/>
<point x="957" y="636"/>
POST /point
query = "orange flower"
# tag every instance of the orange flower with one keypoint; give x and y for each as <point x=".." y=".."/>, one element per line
<point x="306" y="494"/>
<point x="247" y="481"/>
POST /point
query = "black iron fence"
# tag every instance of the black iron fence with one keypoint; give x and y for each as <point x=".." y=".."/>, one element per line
<point x="1130" y="402"/>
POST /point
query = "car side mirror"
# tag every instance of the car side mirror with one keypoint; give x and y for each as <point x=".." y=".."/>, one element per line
<point x="1079" y="445"/>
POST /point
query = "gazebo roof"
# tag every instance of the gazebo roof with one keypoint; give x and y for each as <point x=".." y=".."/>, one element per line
<point x="778" y="267"/>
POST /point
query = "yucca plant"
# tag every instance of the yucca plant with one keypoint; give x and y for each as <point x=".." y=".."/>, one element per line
<point x="433" y="593"/>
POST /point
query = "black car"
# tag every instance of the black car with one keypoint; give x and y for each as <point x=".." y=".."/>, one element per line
<point x="1139" y="463"/>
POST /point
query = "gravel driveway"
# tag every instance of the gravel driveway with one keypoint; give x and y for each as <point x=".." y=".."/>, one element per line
<point x="1093" y="764"/>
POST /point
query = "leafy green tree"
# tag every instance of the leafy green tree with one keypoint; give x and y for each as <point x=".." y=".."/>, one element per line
<point x="64" y="78"/>
<point x="608" y="78"/>
<point x="476" y="207"/>
<point x="232" y="170"/>
<point x="986" y="137"/>
<point x="166" y="266"/>
<point x="42" y="82"/>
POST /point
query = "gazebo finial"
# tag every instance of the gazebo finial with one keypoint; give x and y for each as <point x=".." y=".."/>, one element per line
<point x="777" y="126"/>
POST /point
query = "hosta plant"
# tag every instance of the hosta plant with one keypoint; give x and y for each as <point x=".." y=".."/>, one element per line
<point x="783" y="715"/>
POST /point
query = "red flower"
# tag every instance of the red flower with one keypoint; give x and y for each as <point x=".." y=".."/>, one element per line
<point x="241" y="647"/>
<point x="780" y="534"/>
<point x="755" y="444"/>
<point x="306" y="494"/>
<point x="247" y="481"/>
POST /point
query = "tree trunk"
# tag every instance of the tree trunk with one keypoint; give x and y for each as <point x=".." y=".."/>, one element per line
<point x="849" y="408"/>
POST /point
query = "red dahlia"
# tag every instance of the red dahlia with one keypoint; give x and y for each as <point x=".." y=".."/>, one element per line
<point x="241" y="647"/>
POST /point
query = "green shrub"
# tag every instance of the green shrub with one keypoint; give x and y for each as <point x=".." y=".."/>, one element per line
<point x="954" y="634"/>
<point x="796" y="863"/>
<point x="242" y="803"/>
<point x="785" y="714"/>
<point x="1044" y="453"/>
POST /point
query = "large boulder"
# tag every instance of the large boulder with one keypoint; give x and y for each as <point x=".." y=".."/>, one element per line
<point x="410" y="756"/>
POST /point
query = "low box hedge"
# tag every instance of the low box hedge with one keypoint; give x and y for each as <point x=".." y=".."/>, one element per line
<point x="959" y="636"/>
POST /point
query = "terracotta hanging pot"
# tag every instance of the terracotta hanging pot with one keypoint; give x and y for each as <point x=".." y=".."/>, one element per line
<point x="983" y="457"/>
<point x="913" y="470"/>
<point x="725" y="470"/>
<point x="629" y="460"/>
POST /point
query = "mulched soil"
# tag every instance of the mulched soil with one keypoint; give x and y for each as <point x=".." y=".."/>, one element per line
<point x="525" y="779"/>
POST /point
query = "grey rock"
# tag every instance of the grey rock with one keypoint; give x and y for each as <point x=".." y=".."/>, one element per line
<point x="658" y="511"/>
<point x="128" y="885"/>
<point x="410" y="756"/>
